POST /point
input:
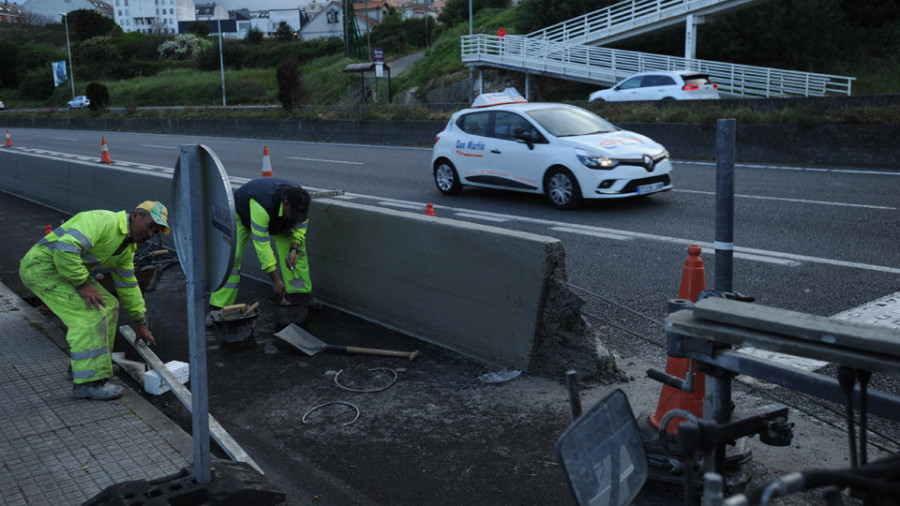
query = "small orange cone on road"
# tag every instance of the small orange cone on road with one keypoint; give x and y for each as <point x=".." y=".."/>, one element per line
<point x="693" y="281"/>
<point x="104" y="152"/>
<point x="429" y="209"/>
<point x="8" y="140"/>
<point x="266" y="164"/>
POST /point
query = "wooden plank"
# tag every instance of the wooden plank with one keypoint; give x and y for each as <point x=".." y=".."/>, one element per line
<point x="684" y="322"/>
<point x="218" y="433"/>
<point x="820" y="329"/>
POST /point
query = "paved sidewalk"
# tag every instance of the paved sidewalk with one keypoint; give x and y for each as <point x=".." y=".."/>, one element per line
<point x="55" y="449"/>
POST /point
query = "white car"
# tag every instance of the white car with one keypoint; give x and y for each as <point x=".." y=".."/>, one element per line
<point x="78" y="102"/>
<point x="675" y="85"/>
<point x="2" y="105"/>
<point x="561" y="151"/>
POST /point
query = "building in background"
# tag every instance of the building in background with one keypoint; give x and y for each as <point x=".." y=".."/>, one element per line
<point x="47" y="11"/>
<point x="152" y="16"/>
<point x="11" y="13"/>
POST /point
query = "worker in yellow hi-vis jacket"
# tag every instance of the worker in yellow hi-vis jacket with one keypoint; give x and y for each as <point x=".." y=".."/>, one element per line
<point x="59" y="268"/>
<point x="270" y="207"/>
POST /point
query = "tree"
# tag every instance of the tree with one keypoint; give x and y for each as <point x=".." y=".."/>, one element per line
<point x="254" y="35"/>
<point x="290" y="83"/>
<point x="182" y="47"/>
<point x="101" y="56"/>
<point x="531" y="15"/>
<point x="98" y="94"/>
<point x="457" y="11"/>
<point x="284" y="32"/>
<point x="85" y="24"/>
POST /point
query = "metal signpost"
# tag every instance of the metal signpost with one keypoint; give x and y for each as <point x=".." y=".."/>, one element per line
<point x="204" y="226"/>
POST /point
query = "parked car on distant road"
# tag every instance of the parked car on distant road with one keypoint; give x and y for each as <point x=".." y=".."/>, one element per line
<point x="78" y="102"/>
<point x="675" y="85"/>
<point x="2" y="105"/>
<point x="561" y="151"/>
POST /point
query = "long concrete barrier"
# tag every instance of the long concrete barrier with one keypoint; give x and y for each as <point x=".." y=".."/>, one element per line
<point x="478" y="290"/>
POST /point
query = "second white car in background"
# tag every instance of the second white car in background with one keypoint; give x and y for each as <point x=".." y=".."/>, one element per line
<point x="561" y="151"/>
<point x="78" y="102"/>
<point x="674" y="85"/>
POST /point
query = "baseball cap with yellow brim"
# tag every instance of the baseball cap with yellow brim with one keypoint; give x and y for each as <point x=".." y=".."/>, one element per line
<point x="158" y="213"/>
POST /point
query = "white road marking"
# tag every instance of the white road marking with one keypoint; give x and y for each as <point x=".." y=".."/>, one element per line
<point x="798" y="201"/>
<point x="403" y="205"/>
<point x="473" y="216"/>
<point x="802" y="169"/>
<point x="154" y="146"/>
<point x="324" y="160"/>
<point x="592" y="233"/>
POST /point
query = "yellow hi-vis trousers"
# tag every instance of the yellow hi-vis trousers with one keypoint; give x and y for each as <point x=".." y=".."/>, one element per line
<point x="91" y="333"/>
<point x="296" y="281"/>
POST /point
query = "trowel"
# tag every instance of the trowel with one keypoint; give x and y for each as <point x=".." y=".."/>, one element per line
<point x="309" y="344"/>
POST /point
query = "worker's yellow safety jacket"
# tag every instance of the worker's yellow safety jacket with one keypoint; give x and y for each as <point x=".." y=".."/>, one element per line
<point x="91" y="242"/>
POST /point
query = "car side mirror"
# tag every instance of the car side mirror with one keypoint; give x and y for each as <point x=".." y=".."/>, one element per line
<point x="525" y="137"/>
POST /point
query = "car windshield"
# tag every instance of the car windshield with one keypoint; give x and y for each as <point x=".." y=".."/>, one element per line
<point x="570" y="121"/>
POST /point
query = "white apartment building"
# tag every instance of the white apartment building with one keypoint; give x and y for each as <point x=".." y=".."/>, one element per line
<point x="152" y="16"/>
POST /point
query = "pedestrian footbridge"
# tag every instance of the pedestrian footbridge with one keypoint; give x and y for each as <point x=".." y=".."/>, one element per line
<point x="571" y="50"/>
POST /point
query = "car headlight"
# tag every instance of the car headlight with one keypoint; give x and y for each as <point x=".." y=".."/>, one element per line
<point x="595" y="161"/>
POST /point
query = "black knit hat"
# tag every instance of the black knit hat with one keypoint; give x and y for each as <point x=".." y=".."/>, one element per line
<point x="298" y="199"/>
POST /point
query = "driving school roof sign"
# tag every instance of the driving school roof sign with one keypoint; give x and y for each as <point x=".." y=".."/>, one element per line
<point x="507" y="96"/>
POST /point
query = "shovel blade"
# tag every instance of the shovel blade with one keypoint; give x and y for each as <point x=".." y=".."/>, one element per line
<point x="300" y="339"/>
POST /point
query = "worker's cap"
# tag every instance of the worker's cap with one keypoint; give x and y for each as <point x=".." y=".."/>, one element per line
<point x="298" y="198"/>
<point x="158" y="213"/>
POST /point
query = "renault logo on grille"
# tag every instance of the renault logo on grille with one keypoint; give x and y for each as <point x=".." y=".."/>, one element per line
<point x="648" y="163"/>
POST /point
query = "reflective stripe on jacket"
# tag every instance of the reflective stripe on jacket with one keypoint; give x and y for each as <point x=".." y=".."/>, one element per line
<point x="86" y="244"/>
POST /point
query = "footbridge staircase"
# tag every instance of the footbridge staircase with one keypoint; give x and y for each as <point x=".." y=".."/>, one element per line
<point x="572" y="50"/>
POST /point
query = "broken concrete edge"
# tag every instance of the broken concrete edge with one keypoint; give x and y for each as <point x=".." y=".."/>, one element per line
<point x="565" y="339"/>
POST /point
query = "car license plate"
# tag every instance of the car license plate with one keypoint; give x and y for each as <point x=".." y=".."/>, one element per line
<point x="649" y="188"/>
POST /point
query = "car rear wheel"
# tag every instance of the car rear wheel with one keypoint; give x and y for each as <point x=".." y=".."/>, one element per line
<point x="562" y="189"/>
<point x="446" y="178"/>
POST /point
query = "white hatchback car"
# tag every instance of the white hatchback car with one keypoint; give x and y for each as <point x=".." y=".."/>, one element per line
<point x="675" y="85"/>
<point x="78" y="102"/>
<point x="561" y="151"/>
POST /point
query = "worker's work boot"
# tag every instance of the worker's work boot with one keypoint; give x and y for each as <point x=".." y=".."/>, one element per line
<point x="97" y="390"/>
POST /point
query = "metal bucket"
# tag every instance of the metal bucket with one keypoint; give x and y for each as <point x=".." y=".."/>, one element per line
<point x="235" y="327"/>
<point x="292" y="308"/>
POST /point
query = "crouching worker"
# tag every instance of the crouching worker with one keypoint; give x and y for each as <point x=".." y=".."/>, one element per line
<point x="269" y="207"/>
<point x="58" y="270"/>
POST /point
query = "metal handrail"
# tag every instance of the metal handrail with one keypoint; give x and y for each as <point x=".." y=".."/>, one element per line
<point x="630" y="15"/>
<point x="608" y="66"/>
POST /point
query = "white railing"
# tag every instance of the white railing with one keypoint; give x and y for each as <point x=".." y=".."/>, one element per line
<point x="628" y="16"/>
<point x="608" y="66"/>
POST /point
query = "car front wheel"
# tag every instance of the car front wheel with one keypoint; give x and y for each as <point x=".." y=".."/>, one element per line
<point x="562" y="189"/>
<point x="446" y="178"/>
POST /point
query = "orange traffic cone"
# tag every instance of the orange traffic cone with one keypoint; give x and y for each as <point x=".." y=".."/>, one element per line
<point x="104" y="152"/>
<point x="266" y="164"/>
<point x="429" y="210"/>
<point x="693" y="281"/>
<point x="8" y="140"/>
<point x="48" y="229"/>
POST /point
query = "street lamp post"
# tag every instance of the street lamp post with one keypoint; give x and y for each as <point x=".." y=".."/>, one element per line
<point x="69" y="49"/>
<point x="221" y="61"/>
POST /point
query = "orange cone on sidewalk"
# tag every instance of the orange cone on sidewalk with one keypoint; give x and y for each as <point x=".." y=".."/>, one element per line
<point x="429" y="210"/>
<point x="693" y="281"/>
<point x="266" y="164"/>
<point x="104" y="152"/>
<point x="8" y="140"/>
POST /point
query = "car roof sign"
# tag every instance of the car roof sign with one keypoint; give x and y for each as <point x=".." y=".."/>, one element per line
<point x="507" y="96"/>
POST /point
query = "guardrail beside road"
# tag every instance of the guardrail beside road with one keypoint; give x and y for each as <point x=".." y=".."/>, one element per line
<point x="873" y="146"/>
<point x="479" y="290"/>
